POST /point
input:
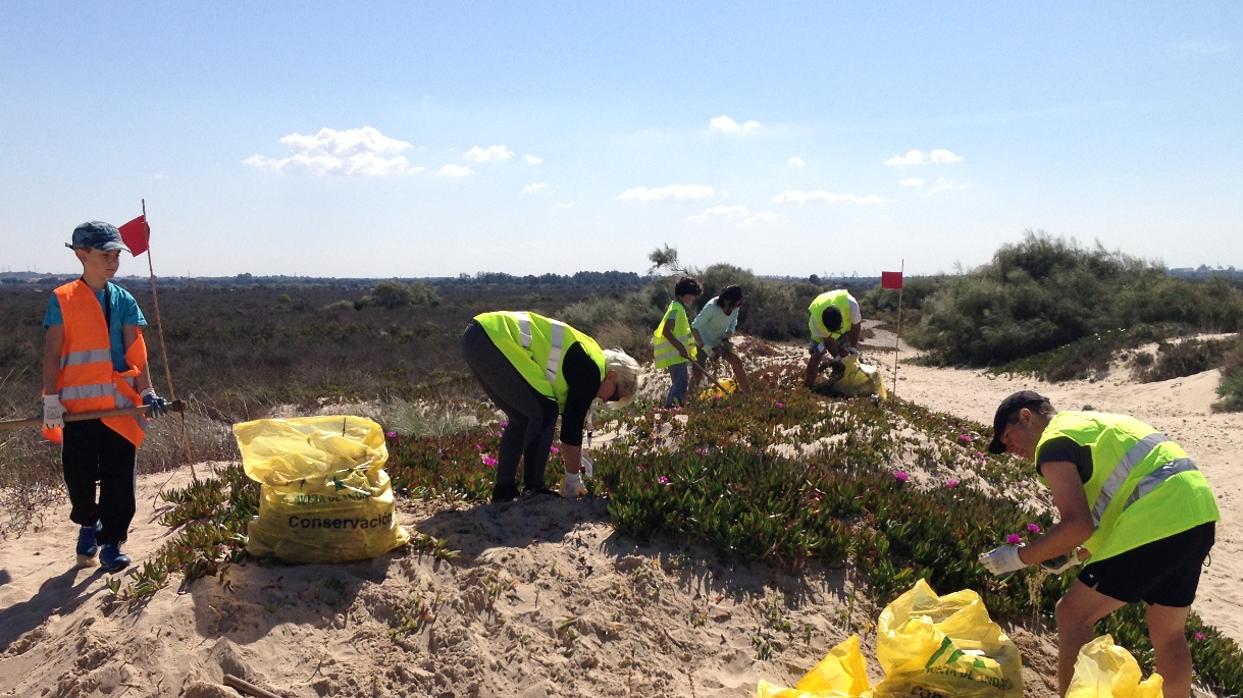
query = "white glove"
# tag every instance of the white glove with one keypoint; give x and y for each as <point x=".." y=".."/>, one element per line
<point x="1061" y="563"/>
<point x="852" y="350"/>
<point x="588" y="466"/>
<point x="1003" y="559"/>
<point x="573" y="487"/>
<point x="53" y="412"/>
<point x="820" y="348"/>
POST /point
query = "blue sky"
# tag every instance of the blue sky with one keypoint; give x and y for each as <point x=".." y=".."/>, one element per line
<point x="404" y="139"/>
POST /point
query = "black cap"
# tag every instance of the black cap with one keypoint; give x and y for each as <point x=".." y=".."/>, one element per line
<point x="1007" y="409"/>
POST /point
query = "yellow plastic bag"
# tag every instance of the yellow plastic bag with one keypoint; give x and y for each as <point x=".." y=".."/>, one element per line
<point x="325" y="496"/>
<point x="930" y="645"/>
<point x="858" y="378"/>
<point x="714" y="392"/>
<point x="1105" y="670"/>
<point x="841" y="674"/>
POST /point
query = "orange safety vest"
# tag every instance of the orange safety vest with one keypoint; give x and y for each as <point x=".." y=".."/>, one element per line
<point x="87" y="381"/>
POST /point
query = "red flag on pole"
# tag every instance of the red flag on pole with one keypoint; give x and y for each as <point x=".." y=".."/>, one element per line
<point x="137" y="235"/>
<point x="888" y="279"/>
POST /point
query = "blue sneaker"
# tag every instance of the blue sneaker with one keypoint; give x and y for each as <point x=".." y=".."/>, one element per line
<point x="111" y="559"/>
<point x="87" y="547"/>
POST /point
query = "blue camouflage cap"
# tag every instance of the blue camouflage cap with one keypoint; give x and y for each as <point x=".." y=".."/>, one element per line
<point x="97" y="235"/>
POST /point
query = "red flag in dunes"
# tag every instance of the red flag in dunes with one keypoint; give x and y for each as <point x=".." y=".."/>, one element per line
<point x="888" y="279"/>
<point x="137" y="235"/>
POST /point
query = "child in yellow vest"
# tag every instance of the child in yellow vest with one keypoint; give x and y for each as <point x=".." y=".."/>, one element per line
<point x="673" y="344"/>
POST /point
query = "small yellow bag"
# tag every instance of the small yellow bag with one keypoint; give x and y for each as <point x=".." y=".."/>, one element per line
<point x="324" y="495"/>
<point x="841" y="674"/>
<point x="1105" y="670"/>
<point x="930" y="645"/>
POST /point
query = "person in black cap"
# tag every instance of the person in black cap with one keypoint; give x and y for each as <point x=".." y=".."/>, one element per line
<point x="1130" y="502"/>
<point x="94" y="360"/>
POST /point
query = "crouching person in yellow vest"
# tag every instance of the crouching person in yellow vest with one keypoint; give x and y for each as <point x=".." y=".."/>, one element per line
<point x="94" y="360"/>
<point x="673" y="343"/>
<point x="835" y="323"/>
<point x="535" y="368"/>
<point x="1132" y="504"/>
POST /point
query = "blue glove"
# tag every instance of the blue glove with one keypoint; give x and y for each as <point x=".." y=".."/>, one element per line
<point x="156" y="405"/>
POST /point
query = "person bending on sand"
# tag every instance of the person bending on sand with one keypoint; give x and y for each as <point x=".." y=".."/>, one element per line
<point x="535" y="368"/>
<point x="713" y="327"/>
<point x="95" y="359"/>
<point x="1132" y="504"/>
<point x="835" y="323"/>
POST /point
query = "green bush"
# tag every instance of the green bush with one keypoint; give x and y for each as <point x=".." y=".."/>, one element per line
<point x="1184" y="359"/>
<point x="1044" y="293"/>
<point x="1230" y="390"/>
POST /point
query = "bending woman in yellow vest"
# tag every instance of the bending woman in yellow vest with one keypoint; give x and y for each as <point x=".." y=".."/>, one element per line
<point x="1132" y="504"/>
<point x="673" y="343"/>
<point x="834" y="322"/>
<point x="535" y="368"/>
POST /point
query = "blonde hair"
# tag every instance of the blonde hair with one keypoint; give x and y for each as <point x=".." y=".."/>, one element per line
<point x="626" y="369"/>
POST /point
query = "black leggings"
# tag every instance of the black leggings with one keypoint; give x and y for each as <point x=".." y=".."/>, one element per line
<point x="532" y="416"/>
<point x="91" y="453"/>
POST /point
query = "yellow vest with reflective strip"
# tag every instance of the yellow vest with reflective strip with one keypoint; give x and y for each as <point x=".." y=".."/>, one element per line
<point x="1143" y="486"/>
<point x="839" y="299"/>
<point x="536" y="346"/>
<point x="663" y="351"/>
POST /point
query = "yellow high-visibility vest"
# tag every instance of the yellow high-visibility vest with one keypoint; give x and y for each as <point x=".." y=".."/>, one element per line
<point x="839" y="299"/>
<point x="536" y="346"/>
<point x="663" y="351"/>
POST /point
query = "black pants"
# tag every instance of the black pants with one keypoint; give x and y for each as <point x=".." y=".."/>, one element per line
<point x="93" y="453"/>
<point x="532" y="416"/>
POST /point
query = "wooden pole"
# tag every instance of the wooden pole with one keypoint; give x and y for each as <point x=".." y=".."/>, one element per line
<point x="11" y="424"/>
<point x="898" y="337"/>
<point x="168" y="371"/>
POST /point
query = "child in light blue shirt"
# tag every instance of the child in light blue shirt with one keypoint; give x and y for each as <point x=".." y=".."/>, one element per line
<point x="713" y="327"/>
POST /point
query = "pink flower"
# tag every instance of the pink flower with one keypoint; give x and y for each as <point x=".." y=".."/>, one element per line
<point x="901" y="475"/>
<point x="663" y="480"/>
<point x="964" y="439"/>
<point x="779" y="404"/>
<point x="1033" y="528"/>
<point x="1014" y="539"/>
<point x="554" y="450"/>
<point x="391" y="434"/>
<point x="702" y="450"/>
<point x="489" y="461"/>
<point x="1199" y="636"/>
<point x="478" y="447"/>
<point x="951" y="483"/>
<point x="504" y="423"/>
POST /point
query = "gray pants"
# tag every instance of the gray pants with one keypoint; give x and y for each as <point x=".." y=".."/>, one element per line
<point x="532" y="416"/>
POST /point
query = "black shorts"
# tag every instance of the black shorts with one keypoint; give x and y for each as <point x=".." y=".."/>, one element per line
<point x="1165" y="572"/>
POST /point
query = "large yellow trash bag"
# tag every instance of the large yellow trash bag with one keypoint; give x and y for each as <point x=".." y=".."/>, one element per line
<point x="930" y="645"/>
<point x="325" y="496"/>
<point x="841" y="674"/>
<point x="857" y="378"/>
<point x="1105" y="670"/>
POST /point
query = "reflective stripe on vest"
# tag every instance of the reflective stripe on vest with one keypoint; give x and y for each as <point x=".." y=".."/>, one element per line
<point x="1122" y="471"/>
<point x="90" y="356"/>
<point x="536" y="345"/>
<point x="1154" y="479"/>
<point x="556" y="340"/>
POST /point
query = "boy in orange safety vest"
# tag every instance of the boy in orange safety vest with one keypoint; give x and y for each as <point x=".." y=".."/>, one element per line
<point x="95" y="359"/>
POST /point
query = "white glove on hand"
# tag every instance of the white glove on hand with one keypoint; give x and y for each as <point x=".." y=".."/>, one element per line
<point x="588" y="466"/>
<point x="573" y="487"/>
<point x="852" y="350"/>
<point x="53" y="412"/>
<point x="1061" y="563"/>
<point x="1003" y="559"/>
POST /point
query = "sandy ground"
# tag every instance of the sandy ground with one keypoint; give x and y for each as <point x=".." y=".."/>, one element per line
<point x="545" y="598"/>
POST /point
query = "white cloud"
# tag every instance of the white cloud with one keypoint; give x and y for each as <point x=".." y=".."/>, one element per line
<point x="761" y="218"/>
<point x="352" y="152"/>
<point x="936" y="156"/>
<point x="677" y="192"/>
<point x="534" y="187"/>
<point x="562" y="205"/>
<point x="915" y="183"/>
<point x="718" y="212"/>
<point x="533" y="160"/>
<point x="492" y="153"/>
<point x="796" y="161"/>
<point x="827" y="197"/>
<point x="452" y="170"/>
<point x="724" y="124"/>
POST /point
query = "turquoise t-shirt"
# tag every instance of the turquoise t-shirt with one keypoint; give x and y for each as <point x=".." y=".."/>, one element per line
<point x="125" y="311"/>
<point x="714" y="324"/>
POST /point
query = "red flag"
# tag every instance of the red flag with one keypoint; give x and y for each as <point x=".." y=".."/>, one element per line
<point x="137" y="235"/>
<point x="888" y="279"/>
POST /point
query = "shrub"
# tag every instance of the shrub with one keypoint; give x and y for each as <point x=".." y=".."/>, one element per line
<point x="1184" y="359"/>
<point x="1230" y="390"/>
<point x="339" y="306"/>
